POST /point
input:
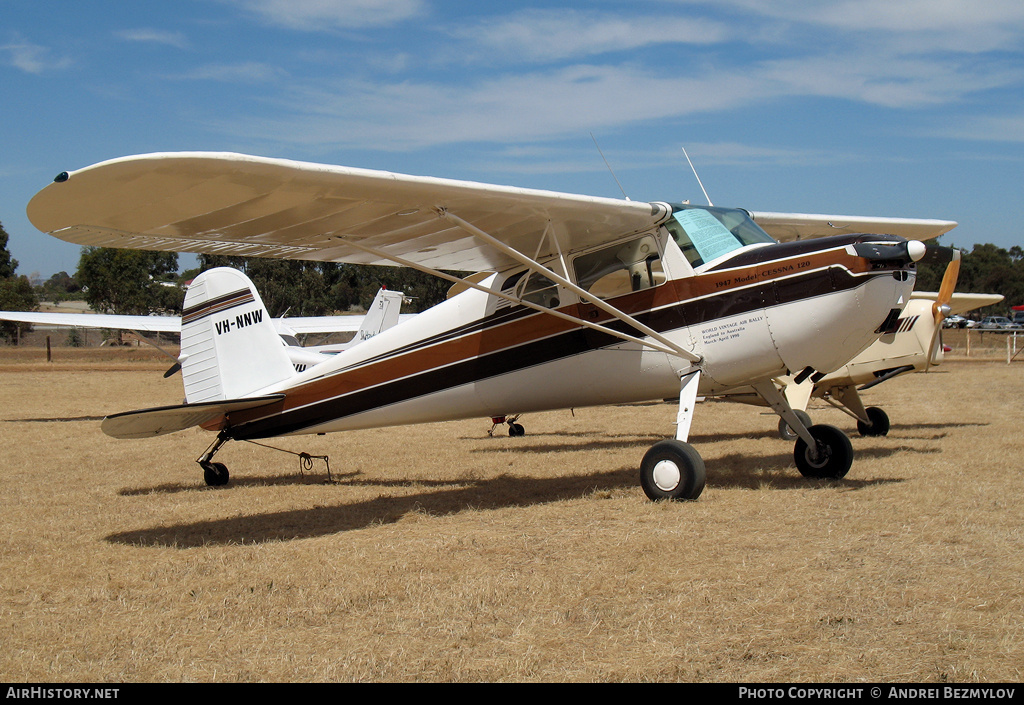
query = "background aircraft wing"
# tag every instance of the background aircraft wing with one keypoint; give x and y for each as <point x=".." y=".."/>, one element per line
<point x="961" y="302"/>
<point x="149" y="324"/>
<point x="785" y="227"/>
<point x="172" y="324"/>
<point x="328" y="324"/>
<point x="232" y="204"/>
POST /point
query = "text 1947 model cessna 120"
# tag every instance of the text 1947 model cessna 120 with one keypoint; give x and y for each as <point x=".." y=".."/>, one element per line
<point x="585" y="301"/>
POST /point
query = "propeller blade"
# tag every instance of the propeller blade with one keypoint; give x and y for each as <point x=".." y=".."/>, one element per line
<point x="940" y="309"/>
<point x="949" y="280"/>
<point x="172" y="370"/>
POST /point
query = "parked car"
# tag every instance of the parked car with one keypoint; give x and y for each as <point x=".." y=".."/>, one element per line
<point x="956" y="322"/>
<point x="998" y="323"/>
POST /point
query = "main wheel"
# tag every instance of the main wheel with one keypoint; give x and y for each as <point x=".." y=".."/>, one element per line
<point x="834" y="457"/>
<point x="672" y="469"/>
<point x="516" y="430"/>
<point x="879" y="425"/>
<point x="215" y="474"/>
<point x="788" y="434"/>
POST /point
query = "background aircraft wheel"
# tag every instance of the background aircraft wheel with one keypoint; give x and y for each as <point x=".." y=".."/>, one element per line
<point x="879" y="425"/>
<point x="215" y="474"/>
<point x="788" y="434"/>
<point x="516" y="430"/>
<point x="672" y="469"/>
<point x="835" y="454"/>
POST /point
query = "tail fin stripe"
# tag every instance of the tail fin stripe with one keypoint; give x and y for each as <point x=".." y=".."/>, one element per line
<point x="218" y="305"/>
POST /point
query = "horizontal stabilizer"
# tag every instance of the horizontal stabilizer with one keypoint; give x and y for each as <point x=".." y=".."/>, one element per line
<point x="147" y="423"/>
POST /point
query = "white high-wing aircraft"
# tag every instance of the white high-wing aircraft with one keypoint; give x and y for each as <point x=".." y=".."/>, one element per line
<point x="383" y="313"/>
<point x="587" y="301"/>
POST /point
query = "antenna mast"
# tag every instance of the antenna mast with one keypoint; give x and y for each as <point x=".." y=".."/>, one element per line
<point x="698" y="178"/>
<point x="609" y="166"/>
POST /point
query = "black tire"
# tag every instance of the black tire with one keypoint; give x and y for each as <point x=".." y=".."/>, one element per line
<point x="672" y="469"/>
<point x="516" y="430"/>
<point x="879" y="425"/>
<point x="216" y="474"/>
<point x="788" y="434"/>
<point x="835" y="454"/>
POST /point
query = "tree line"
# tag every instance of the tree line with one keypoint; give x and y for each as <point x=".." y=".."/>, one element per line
<point x="138" y="282"/>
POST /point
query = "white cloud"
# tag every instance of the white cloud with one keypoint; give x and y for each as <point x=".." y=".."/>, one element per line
<point x="250" y="72"/>
<point x="886" y="80"/>
<point x="968" y="26"/>
<point x="318" y="15"/>
<point x="789" y="49"/>
<point x="518" y="107"/>
<point x="545" y="35"/>
<point x="32" y="58"/>
<point x="990" y="128"/>
<point x="155" y="36"/>
<point x="576" y="100"/>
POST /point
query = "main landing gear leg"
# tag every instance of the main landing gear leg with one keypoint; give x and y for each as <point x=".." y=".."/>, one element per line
<point x="673" y="469"/>
<point x="871" y="421"/>
<point x="215" y="474"/>
<point x="798" y="394"/>
<point x="821" y="451"/>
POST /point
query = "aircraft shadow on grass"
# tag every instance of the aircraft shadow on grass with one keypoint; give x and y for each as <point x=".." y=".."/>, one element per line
<point x="504" y="491"/>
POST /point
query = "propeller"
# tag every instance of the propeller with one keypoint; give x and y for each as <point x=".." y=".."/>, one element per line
<point x="941" y="309"/>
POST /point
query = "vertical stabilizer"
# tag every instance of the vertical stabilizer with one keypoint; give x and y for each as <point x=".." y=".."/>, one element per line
<point x="229" y="348"/>
<point x="382" y="314"/>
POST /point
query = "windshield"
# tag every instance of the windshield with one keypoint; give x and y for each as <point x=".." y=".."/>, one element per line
<point x="704" y="233"/>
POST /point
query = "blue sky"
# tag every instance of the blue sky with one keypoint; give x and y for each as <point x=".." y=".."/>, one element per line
<point x="909" y="108"/>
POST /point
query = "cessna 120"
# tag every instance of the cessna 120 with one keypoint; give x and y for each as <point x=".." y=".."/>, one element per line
<point x="585" y="301"/>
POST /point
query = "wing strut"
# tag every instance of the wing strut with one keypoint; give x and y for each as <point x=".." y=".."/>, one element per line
<point x="502" y="295"/>
<point x="585" y="295"/>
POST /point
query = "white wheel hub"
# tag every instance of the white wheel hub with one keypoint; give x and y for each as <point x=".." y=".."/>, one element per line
<point x="667" y="476"/>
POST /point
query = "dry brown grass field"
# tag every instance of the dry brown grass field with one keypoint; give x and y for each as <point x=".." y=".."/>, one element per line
<point x="441" y="554"/>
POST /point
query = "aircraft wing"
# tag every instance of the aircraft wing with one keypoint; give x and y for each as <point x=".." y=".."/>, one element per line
<point x="961" y="303"/>
<point x="785" y="227"/>
<point x="149" y="324"/>
<point x="232" y="204"/>
<point x="172" y="324"/>
<point x="328" y="324"/>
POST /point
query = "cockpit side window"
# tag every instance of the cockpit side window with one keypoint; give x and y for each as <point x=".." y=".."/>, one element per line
<point x="537" y="289"/>
<point x="704" y="233"/>
<point x="621" y="268"/>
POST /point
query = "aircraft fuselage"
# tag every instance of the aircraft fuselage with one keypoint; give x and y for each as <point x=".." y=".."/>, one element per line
<point x="761" y="313"/>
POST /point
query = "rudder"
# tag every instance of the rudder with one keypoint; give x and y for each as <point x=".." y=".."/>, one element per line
<point x="229" y="348"/>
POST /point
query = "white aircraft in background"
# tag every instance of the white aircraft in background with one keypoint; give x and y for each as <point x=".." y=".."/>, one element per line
<point x="580" y="301"/>
<point x="383" y="313"/>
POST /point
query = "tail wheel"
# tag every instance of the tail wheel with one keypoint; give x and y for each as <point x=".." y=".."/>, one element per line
<point x="834" y="454"/>
<point x="516" y="430"/>
<point x="879" y="423"/>
<point x="672" y="469"/>
<point x="215" y="474"/>
<point x="788" y="434"/>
